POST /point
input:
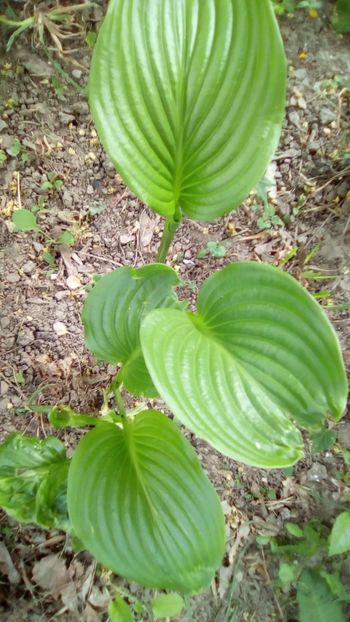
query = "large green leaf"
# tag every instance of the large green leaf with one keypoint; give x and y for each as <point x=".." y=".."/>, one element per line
<point x="113" y="312"/>
<point x="141" y="504"/>
<point x="188" y="99"/>
<point x="258" y="355"/>
<point x="316" y="601"/>
<point x="33" y="480"/>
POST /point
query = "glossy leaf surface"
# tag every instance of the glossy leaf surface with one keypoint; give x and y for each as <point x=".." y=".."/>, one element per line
<point x="141" y="504"/>
<point x="33" y="480"/>
<point x="113" y="312"/>
<point x="188" y="99"/>
<point x="258" y="355"/>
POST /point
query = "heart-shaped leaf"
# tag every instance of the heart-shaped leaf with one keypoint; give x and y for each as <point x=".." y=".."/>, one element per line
<point x="113" y="312"/>
<point x="188" y="99"/>
<point x="141" y="504"/>
<point x="258" y="355"/>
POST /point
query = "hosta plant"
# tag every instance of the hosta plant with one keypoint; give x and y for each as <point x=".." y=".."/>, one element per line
<point x="188" y="100"/>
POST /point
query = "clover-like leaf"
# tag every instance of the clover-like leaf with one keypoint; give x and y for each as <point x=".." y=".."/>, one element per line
<point x="33" y="480"/>
<point x="113" y="312"/>
<point x="259" y="355"/>
<point x="141" y="504"/>
<point x="188" y="99"/>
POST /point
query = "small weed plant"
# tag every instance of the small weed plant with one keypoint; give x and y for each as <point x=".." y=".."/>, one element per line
<point x="190" y="112"/>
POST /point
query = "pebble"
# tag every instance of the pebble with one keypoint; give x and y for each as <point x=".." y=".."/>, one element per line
<point x="25" y="337"/>
<point x="12" y="277"/>
<point x="294" y="118"/>
<point x="73" y="282"/>
<point x="77" y="73"/>
<point x="327" y="116"/>
<point x="29" y="267"/>
<point x="60" y="329"/>
<point x="317" y="473"/>
<point x="90" y="189"/>
<point x="343" y="435"/>
<point x="4" y="387"/>
<point x="67" y="198"/>
<point x="5" y="322"/>
<point x="81" y="107"/>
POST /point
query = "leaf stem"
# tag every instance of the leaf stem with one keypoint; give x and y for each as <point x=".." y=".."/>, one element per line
<point x="171" y="224"/>
<point x="115" y="386"/>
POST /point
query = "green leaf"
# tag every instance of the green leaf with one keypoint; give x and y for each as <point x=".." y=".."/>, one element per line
<point x="113" y="312"/>
<point x="287" y="573"/>
<point x="167" y="605"/>
<point x="119" y="611"/>
<point x="24" y="220"/>
<point x="322" y="440"/>
<point x="15" y="148"/>
<point x="188" y="99"/>
<point x="141" y="504"/>
<point x="258" y="355"/>
<point x="295" y="530"/>
<point x="316" y="601"/>
<point x="339" y="539"/>
<point x="33" y="480"/>
<point x="67" y="238"/>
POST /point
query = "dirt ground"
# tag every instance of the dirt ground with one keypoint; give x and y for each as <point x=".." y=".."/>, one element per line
<point x="41" y="338"/>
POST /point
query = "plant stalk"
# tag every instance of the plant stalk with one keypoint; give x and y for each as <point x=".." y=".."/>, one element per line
<point x="171" y="224"/>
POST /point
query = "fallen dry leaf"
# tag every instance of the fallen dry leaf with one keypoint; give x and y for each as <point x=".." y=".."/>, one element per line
<point x="7" y="566"/>
<point x="51" y="574"/>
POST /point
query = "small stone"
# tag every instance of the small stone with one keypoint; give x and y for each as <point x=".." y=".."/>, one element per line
<point x="60" y="295"/>
<point x="28" y="267"/>
<point x="81" y="107"/>
<point x="4" y="387"/>
<point x="343" y="435"/>
<point x="12" y="277"/>
<point x="5" y="322"/>
<point x="77" y="73"/>
<point x="60" y="329"/>
<point x="126" y="238"/>
<point x="294" y="118"/>
<point x="25" y="337"/>
<point x="37" y="247"/>
<point x="327" y="116"/>
<point x="90" y="189"/>
<point x="67" y="199"/>
<point x="73" y="282"/>
<point x="317" y="473"/>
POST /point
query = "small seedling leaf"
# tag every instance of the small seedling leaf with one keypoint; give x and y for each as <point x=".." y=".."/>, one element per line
<point x="322" y="440"/>
<point x="287" y="573"/>
<point x="167" y="605"/>
<point x="15" y="149"/>
<point x="119" y="611"/>
<point x="67" y="238"/>
<point x="339" y="539"/>
<point x="24" y="220"/>
<point x="295" y="530"/>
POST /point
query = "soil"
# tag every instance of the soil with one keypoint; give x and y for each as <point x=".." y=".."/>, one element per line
<point x="41" y="299"/>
